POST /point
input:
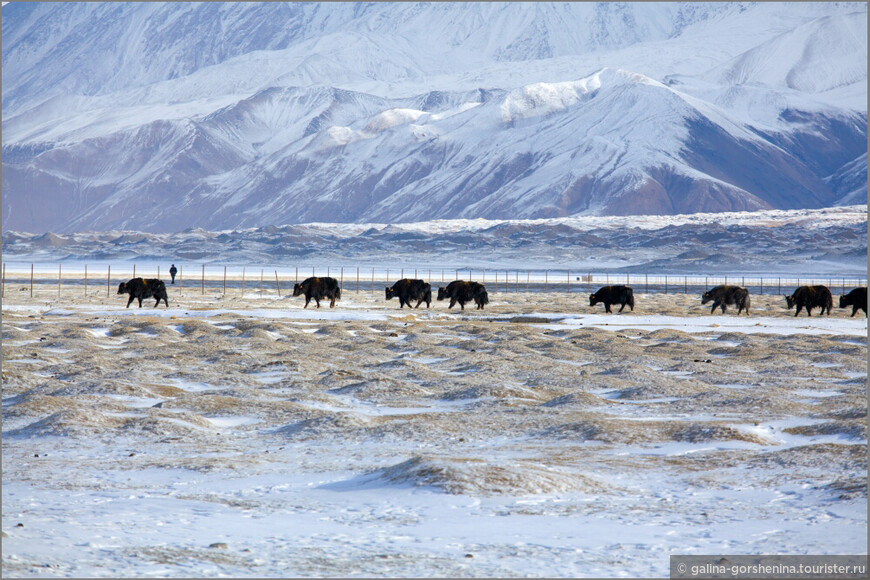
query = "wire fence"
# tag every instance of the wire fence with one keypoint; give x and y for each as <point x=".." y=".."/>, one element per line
<point x="201" y="278"/>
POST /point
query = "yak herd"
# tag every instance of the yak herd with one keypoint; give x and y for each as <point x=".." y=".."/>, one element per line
<point x="462" y="292"/>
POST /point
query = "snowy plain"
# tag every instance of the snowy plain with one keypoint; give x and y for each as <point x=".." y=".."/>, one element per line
<point x="236" y="435"/>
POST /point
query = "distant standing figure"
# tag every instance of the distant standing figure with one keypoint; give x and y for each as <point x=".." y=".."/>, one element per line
<point x="172" y="272"/>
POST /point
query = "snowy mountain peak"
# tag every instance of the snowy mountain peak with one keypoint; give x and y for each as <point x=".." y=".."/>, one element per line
<point x="169" y="116"/>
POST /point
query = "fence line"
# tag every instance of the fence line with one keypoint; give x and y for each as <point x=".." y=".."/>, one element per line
<point x="543" y="280"/>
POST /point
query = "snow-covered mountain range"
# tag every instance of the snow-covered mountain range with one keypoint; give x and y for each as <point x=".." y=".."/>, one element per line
<point x="162" y="117"/>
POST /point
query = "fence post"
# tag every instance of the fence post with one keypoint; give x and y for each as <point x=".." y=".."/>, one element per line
<point x="134" y="270"/>
<point x="180" y="278"/>
<point x="225" y="280"/>
<point x="761" y="285"/>
<point x="779" y="285"/>
<point x="108" y="279"/>
<point x="528" y="275"/>
<point x="243" y="281"/>
<point x="357" y="278"/>
<point x="666" y="284"/>
<point x="296" y="280"/>
<point x="646" y="283"/>
<point x="373" y="280"/>
<point x="341" y="279"/>
<point x="203" y="279"/>
<point x="278" y="286"/>
<point x="3" y="288"/>
<point x="58" y="280"/>
<point x="158" y="271"/>
<point x="261" y="282"/>
<point x="686" y="284"/>
<point x="86" y="278"/>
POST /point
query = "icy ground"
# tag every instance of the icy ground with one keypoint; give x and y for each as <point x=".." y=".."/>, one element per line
<point x="239" y="436"/>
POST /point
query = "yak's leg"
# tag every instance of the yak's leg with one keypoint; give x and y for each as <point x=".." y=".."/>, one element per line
<point x="715" y="306"/>
<point x="332" y="302"/>
<point x="317" y="300"/>
<point x="307" y="300"/>
<point x="140" y="303"/>
<point x="607" y="308"/>
<point x="130" y="301"/>
<point x="452" y="303"/>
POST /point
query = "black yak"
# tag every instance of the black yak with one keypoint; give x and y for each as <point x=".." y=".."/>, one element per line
<point x="857" y="299"/>
<point x="409" y="289"/>
<point x="462" y="292"/>
<point x="613" y="295"/>
<point x="319" y="289"/>
<point x="810" y="297"/>
<point x="138" y="289"/>
<point x="723" y="296"/>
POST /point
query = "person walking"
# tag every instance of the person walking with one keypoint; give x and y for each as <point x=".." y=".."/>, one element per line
<point x="172" y="272"/>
